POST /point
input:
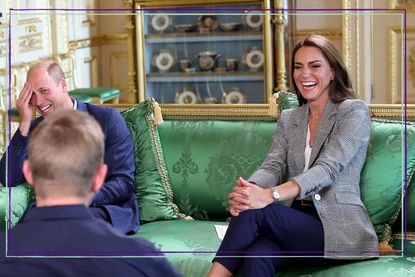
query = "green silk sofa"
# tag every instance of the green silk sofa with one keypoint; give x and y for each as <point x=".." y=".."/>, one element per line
<point x="186" y="167"/>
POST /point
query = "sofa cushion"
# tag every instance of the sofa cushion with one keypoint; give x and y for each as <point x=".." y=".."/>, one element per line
<point x="189" y="245"/>
<point x="205" y="157"/>
<point x="287" y="100"/>
<point x="21" y="196"/>
<point x="154" y="192"/>
<point x="382" y="175"/>
<point x="410" y="206"/>
<point x="387" y="266"/>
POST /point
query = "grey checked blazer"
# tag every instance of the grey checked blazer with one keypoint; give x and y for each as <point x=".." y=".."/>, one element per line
<point x="333" y="177"/>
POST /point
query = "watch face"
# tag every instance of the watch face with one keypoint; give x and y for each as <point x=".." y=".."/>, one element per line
<point x="275" y="194"/>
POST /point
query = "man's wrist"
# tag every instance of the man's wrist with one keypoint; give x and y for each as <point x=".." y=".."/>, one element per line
<point x="24" y="129"/>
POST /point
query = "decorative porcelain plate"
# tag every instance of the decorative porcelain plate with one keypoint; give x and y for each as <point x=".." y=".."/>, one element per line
<point x="186" y="96"/>
<point x="160" y="22"/>
<point x="207" y="23"/>
<point x="253" y="21"/>
<point x="253" y="58"/>
<point x="163" y="60"/>
<point x="233" y="96"/>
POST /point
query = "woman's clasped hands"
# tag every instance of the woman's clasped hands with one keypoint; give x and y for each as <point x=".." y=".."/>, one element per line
<point x="246" y="195"/>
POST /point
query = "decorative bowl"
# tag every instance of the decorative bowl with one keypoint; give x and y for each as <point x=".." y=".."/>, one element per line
<point x="183" y="28"/>
<point x="229" y="27"/>
<point x="207" y="60"/>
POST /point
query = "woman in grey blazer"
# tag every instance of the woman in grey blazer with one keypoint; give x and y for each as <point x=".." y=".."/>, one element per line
<point x="321" y="147"/>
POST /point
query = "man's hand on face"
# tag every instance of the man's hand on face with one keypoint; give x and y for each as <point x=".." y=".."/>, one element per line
<point x="25" y="108"/>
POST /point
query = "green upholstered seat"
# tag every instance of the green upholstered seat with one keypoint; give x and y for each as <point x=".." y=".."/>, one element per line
<point x="83" y="98"/>
<point x="21" y="196"/>
<point x="189" y="245"/>
<point x="103" y="94"/>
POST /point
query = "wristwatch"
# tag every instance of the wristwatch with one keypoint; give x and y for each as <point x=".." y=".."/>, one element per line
<point x="275" y="194"/>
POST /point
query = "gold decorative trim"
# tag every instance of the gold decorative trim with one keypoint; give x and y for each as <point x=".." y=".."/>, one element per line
<point x="347" y="34"/>
<point x="280" y="48"/>
<point x="357" y="54"/>
<point x="28" y="21"/>
<point x="216" y="111"/>
<point x="98" y="41"/>
<point x="60" y="29"/>
<point x="408" y="5"/>
<point x="90" y="18"/>
<point x="332" y="34"/>
<point x="139" y="54"/>
<point x="132" y="75"/>
<point x="30" y="43"/>
<point x="159" y="159"/>
<point x="93" y="61"/>
<point x="3" y="49"/>
<point x="408" y="236"/>
<point x="31" y="29"/>
<point x="394" y="96"/>
<point x="258" y="111"/>
<point x="114" y="56"/>
<point x="392" y="111"/>
<point x="411" y="65"/>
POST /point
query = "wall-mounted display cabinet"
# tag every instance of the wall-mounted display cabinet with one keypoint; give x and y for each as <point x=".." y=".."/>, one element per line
<point x="195" y="55"/>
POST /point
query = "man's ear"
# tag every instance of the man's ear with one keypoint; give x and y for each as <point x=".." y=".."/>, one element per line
<point x="27" y="172"/>
<point x="64" y="85"/>
<point x="99" y="178"/>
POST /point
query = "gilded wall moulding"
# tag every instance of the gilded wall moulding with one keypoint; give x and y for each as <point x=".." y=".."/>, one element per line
<point x="411" y="65"/>
<point x="30" y="43"/>
<point x="259" y="111"/>
<point x="409" y="5"/>
<point x="31" y="29"/>
<point x="97" y="41"/>
<point x="394" y="60"/>
<point x="332" y="34"/>
<point x="93" y="70"/>
<point x="2" y="49"/>
<point x="115" y="58"/>
<point x="28" y="21"/>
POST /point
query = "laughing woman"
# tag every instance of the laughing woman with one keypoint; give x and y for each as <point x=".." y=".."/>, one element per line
<point x="321" y="147"/>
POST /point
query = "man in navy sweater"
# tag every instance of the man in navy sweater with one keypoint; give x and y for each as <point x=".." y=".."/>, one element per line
<point x="60" y="236"/>
<point x="46" y="92"/>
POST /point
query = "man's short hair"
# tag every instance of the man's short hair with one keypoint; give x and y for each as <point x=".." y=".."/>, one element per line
<point x="54" y="70"/>
<point x="65" y="152"/>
